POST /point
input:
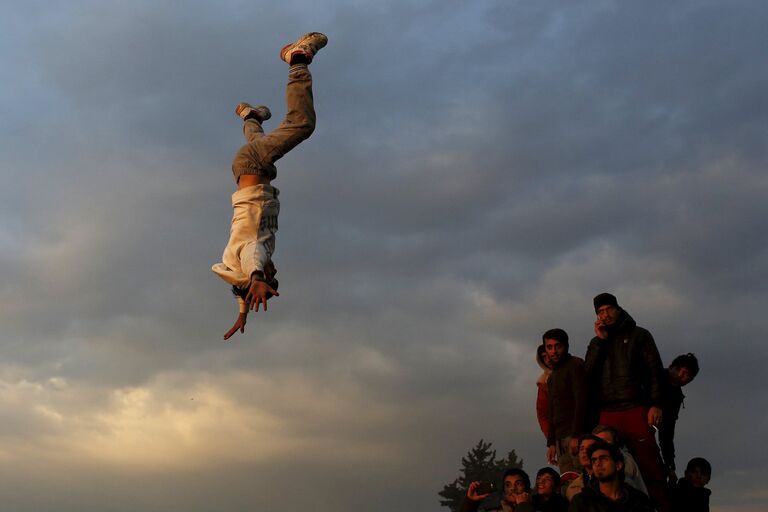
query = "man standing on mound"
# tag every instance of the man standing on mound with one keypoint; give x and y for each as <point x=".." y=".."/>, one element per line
<point x="247" y="260"/>
<point x="625" y="371"/>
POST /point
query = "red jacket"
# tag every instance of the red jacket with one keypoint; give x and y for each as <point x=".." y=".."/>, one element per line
<point x="542" y="398"/>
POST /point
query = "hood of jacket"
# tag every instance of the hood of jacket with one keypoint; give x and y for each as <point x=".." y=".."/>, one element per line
<point x="546" y="373"/>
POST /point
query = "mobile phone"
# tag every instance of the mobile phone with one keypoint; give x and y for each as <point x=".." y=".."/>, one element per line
<point x="485" y="488"/>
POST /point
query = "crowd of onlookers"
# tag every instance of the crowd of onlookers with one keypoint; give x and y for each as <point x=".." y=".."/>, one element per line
<point x="600" y="416"/>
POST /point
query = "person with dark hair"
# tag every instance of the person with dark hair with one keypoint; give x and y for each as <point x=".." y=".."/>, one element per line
<point x="247" y="260"/>
<point x="681" y="372"/>
<point x="516" y="495"/>
<point x="567" y="389"/>
<point x="626" y="381"/>
<point x="542" y="393"/>
<point x="611" y="493"/>
<point x="585" y="477"/>
<point x="548" y="497"/>
<point x="631" y="472"/>
<point x="690" y="494"/>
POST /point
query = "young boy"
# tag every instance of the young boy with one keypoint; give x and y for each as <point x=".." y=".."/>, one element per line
<point x="548" y="497"/>
<point x="247" y="259"/>
<point x="690" y="492"/>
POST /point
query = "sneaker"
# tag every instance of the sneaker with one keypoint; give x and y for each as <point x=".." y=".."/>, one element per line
<point x="308" y="44"/>
<point x="261" y="112"/>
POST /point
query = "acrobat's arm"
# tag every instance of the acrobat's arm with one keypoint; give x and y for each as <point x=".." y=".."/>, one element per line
<point x="258" y="292"/>
<point x="241" y="319"/>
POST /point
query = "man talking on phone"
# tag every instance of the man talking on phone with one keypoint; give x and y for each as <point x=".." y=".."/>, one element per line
<point x="625" y="373"/>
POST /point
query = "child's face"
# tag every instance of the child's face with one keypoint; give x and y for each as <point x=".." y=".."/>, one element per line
<point x="697" y="477"/>
<point x="545" y="484"/>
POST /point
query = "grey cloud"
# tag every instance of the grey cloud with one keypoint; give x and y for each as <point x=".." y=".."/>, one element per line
<point x="479" y="172"/>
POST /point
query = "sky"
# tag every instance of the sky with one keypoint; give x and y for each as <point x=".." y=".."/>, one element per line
<point x="480" y="170"/>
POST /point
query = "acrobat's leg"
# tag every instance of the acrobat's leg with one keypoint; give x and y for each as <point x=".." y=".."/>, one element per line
<point x="253" y="118"/>
<point x="299" y="122"/>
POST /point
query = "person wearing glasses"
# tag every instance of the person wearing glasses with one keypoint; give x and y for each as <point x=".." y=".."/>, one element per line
<point x="610" y="494"/>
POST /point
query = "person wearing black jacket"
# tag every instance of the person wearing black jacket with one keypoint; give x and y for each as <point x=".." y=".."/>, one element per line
<point x="680" y="373"/>
<point x="548" y="497"/>
<point x="625" y="376"/>
<point x="611" y="493"/>
<point x="690" y="493"/>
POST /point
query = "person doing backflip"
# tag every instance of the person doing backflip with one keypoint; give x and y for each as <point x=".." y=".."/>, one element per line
<point x="247" y="260"/>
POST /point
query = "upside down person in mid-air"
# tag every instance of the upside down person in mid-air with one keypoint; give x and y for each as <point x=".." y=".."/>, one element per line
<point x="247" y="260"/>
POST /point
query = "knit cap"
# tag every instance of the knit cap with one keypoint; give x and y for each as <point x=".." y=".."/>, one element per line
<point x="605" y="299"/>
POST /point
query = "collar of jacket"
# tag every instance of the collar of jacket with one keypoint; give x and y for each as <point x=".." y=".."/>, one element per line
<point x="567" y="357"/>
<point x="624" y="323"/>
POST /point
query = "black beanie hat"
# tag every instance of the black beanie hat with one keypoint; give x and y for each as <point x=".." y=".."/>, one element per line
<point x="605" y="299"/>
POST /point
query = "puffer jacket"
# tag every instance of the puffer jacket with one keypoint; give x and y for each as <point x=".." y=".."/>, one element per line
<point x="624" y="370"/>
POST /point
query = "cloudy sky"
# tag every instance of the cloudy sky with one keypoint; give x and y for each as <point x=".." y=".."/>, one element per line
<point x="480" y="170"/>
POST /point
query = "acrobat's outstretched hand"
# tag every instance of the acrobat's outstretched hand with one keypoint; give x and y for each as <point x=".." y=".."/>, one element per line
<point x="239" y="324"/>
<point x="258" y="293"/>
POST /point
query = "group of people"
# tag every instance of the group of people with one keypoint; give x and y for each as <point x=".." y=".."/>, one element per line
<point x="600" y="416"/>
